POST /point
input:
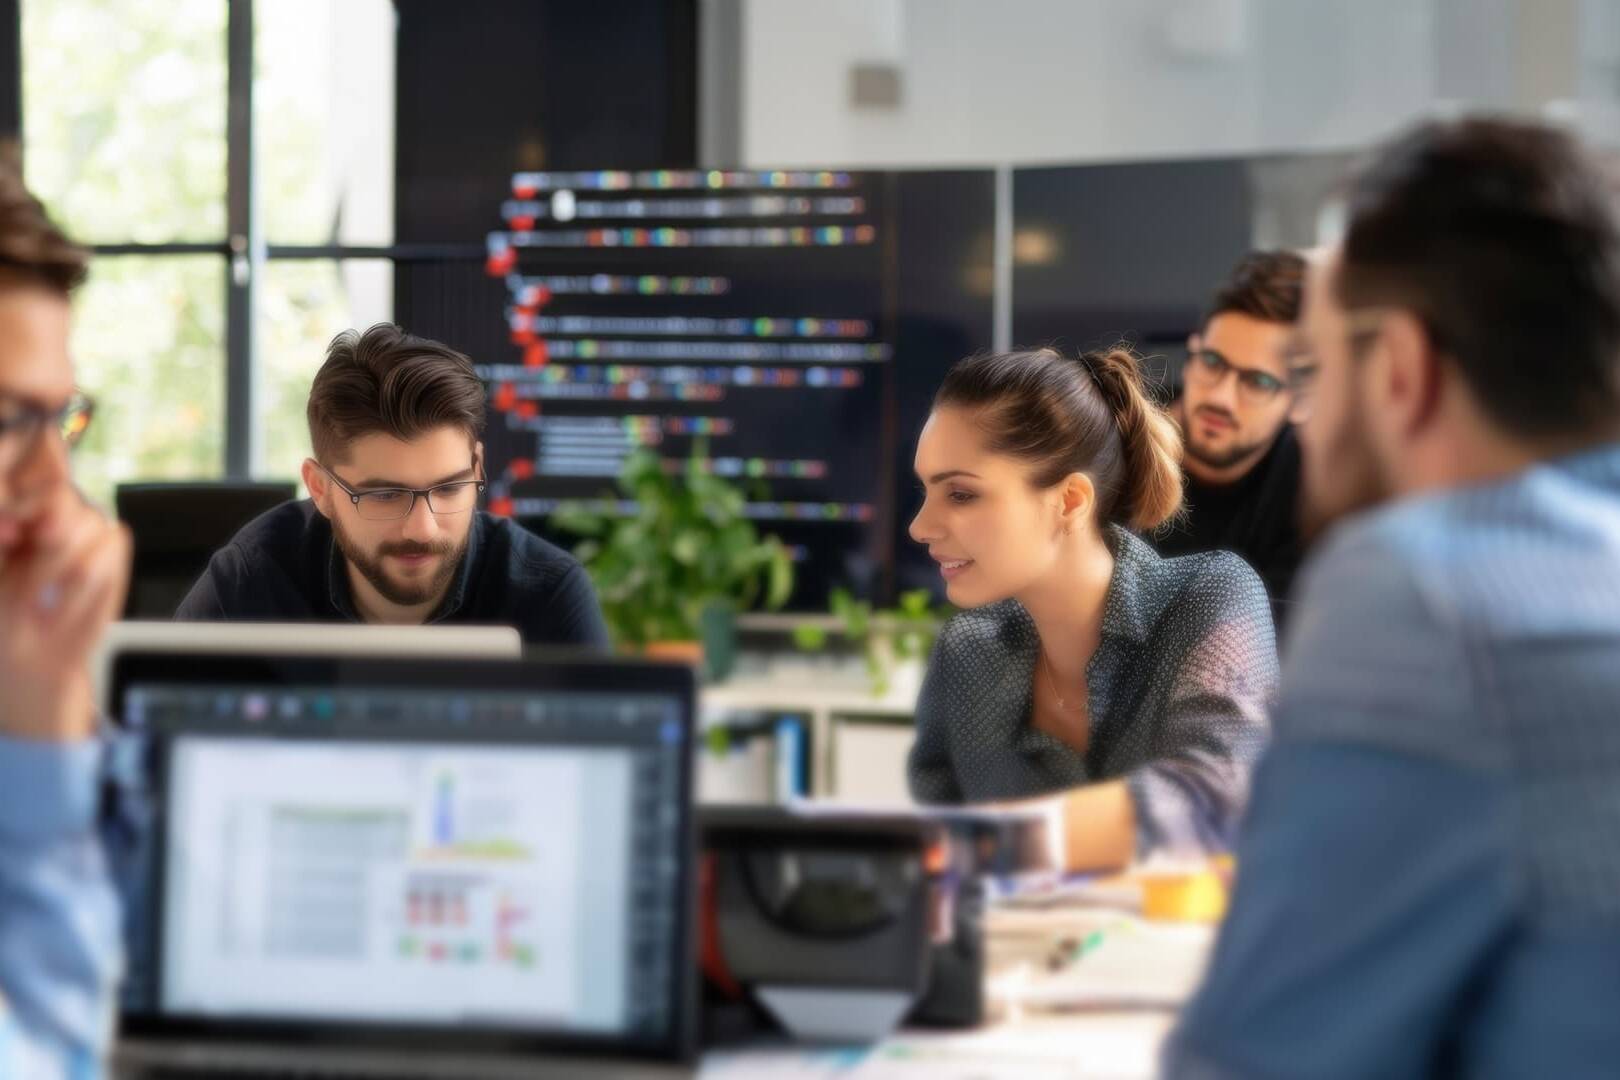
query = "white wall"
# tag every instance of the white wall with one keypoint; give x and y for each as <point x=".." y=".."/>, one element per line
<point x="991" y="81"/>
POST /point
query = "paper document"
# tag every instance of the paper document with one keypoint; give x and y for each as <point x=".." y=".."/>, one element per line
<point x="1093" y="960"/>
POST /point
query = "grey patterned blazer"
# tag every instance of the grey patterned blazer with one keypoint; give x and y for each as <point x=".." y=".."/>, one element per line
<point x="1179" y="689"/>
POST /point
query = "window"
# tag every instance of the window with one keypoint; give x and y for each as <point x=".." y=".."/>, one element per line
<point x="148" y="344"/>
<point x="302" y="304"/>
<point x="127" y="138"/>
<point x="124" y="140"/>
<point x="124" y="117"/>
<point x="323" y="100"/>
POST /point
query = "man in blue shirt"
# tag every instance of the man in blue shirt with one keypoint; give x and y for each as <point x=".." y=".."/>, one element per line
<point x="63" y="571"/>
<point x="1429" y="877"/>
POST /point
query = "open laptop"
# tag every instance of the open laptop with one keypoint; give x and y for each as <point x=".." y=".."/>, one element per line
<point x="370" y="867"/>
<point x="260" y="638"/>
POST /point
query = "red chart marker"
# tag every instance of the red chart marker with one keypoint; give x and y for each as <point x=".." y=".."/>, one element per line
<point x="500" y="263"/>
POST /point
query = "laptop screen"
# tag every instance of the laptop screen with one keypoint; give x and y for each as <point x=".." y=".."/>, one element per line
<point x="341" y="854"/>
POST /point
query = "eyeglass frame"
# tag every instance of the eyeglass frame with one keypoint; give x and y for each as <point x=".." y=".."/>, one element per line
<point x="40" y="417"/>
<point x="1361" y="324"/>
<point x="414" y="493"/>
<point x="1245" y="375"/>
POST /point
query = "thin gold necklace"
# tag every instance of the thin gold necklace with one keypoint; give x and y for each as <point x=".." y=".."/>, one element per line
<point x="1051" y="681"/>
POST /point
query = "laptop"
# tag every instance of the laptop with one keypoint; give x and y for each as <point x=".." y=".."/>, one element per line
<point x="327" y="639"/>
<point x="408" y="867"/>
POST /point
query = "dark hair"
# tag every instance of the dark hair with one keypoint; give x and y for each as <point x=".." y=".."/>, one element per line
<point x="1089" y="415"/>
<point x="386" y="380"/>
<point x="1500" y="236"/>
<point x="32" y="250"/>
<point x="1263" y="285"/>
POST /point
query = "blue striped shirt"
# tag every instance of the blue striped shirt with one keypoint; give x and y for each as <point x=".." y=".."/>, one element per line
<point x="60" y="952"/>
<point x="1429" y="875"/>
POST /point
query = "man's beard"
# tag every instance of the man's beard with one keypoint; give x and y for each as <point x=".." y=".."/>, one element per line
<point x="1358" y="480"/>
<point x="370" y="566"/>
<point x="1223" y="459"/>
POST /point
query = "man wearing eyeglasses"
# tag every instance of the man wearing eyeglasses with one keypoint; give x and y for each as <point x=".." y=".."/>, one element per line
<point x="392" y="532"/>
<point x="1241" y="459"/>
<point x="63" y="571"/>
<point x="1429" y="874"/>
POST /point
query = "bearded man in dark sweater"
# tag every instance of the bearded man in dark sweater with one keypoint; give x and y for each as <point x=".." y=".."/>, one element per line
<point x="1236" y="413"/>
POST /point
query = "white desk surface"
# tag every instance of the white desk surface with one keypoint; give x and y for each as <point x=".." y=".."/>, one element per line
<point x="1102" y="1045"/>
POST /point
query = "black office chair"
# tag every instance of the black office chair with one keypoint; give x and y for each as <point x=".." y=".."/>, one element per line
<point x="178" y="527"/>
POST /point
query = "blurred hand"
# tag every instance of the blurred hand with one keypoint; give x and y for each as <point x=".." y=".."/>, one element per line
<point x="63" y="575"/>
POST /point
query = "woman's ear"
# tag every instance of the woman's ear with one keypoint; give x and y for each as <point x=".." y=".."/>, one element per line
<point x="1077" y="502"/>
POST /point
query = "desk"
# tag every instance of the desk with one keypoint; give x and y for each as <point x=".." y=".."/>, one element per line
<point x="1117" y="1045"/>
<point x="1103" y="1039"/>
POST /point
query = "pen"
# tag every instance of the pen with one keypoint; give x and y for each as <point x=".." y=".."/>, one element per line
<point x="1072" y="950"/>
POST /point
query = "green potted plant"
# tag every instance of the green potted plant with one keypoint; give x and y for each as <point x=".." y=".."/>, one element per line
<point x="894" y="644"/>
<point x="672" y="576"/>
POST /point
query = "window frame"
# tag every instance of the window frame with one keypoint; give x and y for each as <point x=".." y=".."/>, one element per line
<point x="243" y="248"/>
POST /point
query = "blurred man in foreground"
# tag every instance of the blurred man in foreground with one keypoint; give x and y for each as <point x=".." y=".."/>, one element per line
<point x="63" y="571"/>
<point x="1429" y="879"/>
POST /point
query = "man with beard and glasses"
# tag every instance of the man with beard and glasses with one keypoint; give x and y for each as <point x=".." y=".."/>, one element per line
<point x="1240" y="457"/>
<point x="392" y="532"/>
<point x="1429" y="874"/>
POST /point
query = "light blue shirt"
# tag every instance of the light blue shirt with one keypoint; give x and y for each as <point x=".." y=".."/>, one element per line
<point x="1429" y="875"/>
<point x="60" y="950"/>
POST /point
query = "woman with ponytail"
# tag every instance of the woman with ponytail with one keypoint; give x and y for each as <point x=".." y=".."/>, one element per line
<point x="1128" y="690"/>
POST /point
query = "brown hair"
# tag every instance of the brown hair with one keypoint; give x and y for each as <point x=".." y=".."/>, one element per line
<point x="386" y="380"/>
<point x="1266" y="285"/>
<point x="32" y="250"/>
<point x="1089" y="415"/>
<point x="1501" y="236"/>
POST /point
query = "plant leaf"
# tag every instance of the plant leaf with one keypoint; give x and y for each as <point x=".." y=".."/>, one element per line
<point x="807" y="637"/>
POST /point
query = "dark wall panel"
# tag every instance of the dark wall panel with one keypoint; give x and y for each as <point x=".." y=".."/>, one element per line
<point x="1105" y="251"/>
<point x="944" y="243"/>
<point x="491" y="87"/>
<point x="10" y="70"/>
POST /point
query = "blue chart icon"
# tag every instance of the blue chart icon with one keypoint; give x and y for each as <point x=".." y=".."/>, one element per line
<point x="443" y="818"/>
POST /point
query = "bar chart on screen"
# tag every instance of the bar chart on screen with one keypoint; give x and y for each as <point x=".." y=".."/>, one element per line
<point x="440" y="882"/>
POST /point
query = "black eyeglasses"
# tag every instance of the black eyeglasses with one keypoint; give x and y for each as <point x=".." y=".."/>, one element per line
<point x="1208" y="368"/>
<point x="391" y="504"/>
<point x="21" y="422"/>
